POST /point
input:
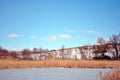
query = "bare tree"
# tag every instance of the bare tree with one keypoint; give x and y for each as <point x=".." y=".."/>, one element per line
<point x="14" y="54"/>
<point x="3" y="52"/>
<point x="26" y="54"/>
<point x="101" y="41"/>
<point x="35" y="50"/>
<point x="100" y="49"/>
<point x="62" y="52"/>
<point x="69" y="53"/>
<point x="115" y="41"/>
<point x="46" y="51"/>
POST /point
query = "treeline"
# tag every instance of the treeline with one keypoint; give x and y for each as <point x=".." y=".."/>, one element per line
<point x="23" y="54"/>
<point x="110" y="46"/>
<point x="4" y="53"/>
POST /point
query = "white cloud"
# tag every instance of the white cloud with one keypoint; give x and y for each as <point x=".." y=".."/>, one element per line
<point x="90" y="32"/>
<point x="33" y="37"/>
<point x="83" y="40"/>
<point x="13" y="35"/>
<point x="51" y="38"/>
<point x="71" y="31"/>
<point x="55" y="37"/>
<point x="65" y="36"/>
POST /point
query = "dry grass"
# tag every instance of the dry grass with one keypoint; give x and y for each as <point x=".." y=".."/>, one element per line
<point x="111" y="76"/>
<point x="11" y="63"/>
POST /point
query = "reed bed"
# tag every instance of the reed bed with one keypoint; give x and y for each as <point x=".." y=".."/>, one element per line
<point x="11" y="63"/>
<point x="111" y="76"/>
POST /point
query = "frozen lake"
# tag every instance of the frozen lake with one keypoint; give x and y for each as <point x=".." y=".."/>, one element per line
<point x="51" y="74"/>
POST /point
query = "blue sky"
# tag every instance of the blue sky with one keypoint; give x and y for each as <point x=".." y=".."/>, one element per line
<point x="53" y="23"/>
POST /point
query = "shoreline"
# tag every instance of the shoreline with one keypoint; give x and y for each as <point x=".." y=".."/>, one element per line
<point x="60" y="68"/>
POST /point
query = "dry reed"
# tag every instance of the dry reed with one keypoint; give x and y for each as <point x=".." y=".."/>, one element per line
<point x="11" y="63"/>
<point x="111" y="76"/>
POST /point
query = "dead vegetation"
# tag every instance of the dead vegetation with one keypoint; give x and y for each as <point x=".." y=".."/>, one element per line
<point x="12" y="63"/>
<point x="111" y="76"/>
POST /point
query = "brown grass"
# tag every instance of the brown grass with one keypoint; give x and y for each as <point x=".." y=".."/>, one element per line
<point x="11" y="63"/>
<point x="111" y="76"/>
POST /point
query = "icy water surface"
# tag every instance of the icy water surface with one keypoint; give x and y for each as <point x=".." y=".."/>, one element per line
<point x="51" y="74"/>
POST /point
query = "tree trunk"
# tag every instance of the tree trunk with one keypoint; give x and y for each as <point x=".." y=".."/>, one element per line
<point x="117" y="54"/>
